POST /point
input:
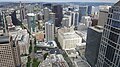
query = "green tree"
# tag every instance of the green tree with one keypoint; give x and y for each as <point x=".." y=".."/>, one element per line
<point x="30" y="48"/>
<point x="45" y="55"/>
<point x="35" y="62"/>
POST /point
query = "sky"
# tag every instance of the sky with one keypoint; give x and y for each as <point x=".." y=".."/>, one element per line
<point x="112" y="1"/>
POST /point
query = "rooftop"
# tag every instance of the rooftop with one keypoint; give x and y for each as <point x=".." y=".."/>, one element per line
<point x="97" y="28"/>
<point x="31" y="14"/>
<point x="4" y="39"/>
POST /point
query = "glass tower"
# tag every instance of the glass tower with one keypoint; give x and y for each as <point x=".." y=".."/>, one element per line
<point x="109" y="51"/>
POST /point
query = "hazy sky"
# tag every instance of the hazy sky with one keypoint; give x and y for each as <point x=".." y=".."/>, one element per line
<point x="60" y="0"/>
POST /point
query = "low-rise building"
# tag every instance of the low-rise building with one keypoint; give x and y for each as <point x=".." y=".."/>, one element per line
<point x="68" y="38"/>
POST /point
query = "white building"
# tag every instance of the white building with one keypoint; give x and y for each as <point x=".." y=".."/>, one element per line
<point x="68" y="38"/>
<point x="65" y="22"/>
<point x="82" y="27"/>
<point x="74" y="18"/>
<point x="22" y="37"/>
<point x="69" y="19"/>
<point x="9" y="20"/>
<point x="86" y="20"/>
<point x="49" y="31"/>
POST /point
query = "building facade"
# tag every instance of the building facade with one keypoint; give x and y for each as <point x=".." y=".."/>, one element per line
<point x="109" y="51"/>
<point x="103" y="16"/>
<point x="9" y="53"/>
<point x="68" y="39"/>
<point x="31" y="22"/>
<point x="49" y="31"/>
<point x="94" y="35"/>
<point x="57" y="9"/>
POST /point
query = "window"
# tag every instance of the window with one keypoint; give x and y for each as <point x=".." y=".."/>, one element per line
<point x="110" y="53"/>
<point x="115" y="30"/>
<point x="115" y="24"/>
<point x="112" y="44"/>
<point x="113" y="37"/>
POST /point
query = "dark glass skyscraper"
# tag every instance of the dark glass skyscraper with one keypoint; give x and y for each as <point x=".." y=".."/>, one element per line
<point x="94" y="35"/>
<point x="89" y="10"/>
<point x="109" y="51"/>
<point x="82" y="11"/>
<point x="57" y="9"/>
<point x="15" y="21"/>
<point x="48" y="5"/>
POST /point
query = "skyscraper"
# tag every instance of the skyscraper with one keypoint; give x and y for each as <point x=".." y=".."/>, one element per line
<point x="49" y="31"/>
<point x="94" y="35"/>
<point x="89" y="10"/>
<point x="31" y="22"/>
<point x="57" y="9"/>
<point x="46" y="14"/>
<point x="82" y="11"/>
<point x="86" y="20"/>
<point x="109" y="51"/>
<point x="9" y="55"/>
<point x="22" y="12"/>
<point x="15" y="21"/>
<point x="48" y="5"/>
<point x="74" y="18"/>
<point x="52" y="17"/>
<point x="9" y="20"/>
<point x="103" y="15"/>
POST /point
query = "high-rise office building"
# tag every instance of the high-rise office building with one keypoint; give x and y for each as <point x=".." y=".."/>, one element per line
<point x="49" y="31"/>
<point x="52" y="17"/>
<point x="22" y="12"/>
<point x="48" y="5"/>
<point x="109" y="51"/>
<point x="31" y="22"/>
<point x="89" y="10"/>
<point x="65" y="22"/>
<point x="9" y="52"/>
<point x="74" y="18"/>
<point x="46" y="14"/>
<point x="94" y="35"/>
<point x="57" y="9"/>
<point x="103" y="15"/>
<point x="86" y="20"/>
<point x="9" y="20"/>
<point x="82" y="11"/>
<point x="15" y="21"/>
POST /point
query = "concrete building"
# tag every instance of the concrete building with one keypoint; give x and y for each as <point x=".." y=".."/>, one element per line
<point x="80" y="47"/>
<point x="52" y="17"/>
<point x="22" y="38"/>
<point x="9" y="20"/>
<point x="86" y="20"/>
<point x="49" y="31"/>
<point x="65" y="22"/>
<point x="68" y="38"/>
<point x="109" y="51"/>
<point x="74" y="18"/>
<point x="94" y="35"/>
<point x="9" y="52"/>
<point x="46" y="14"/>
<point x="103" y="16"/>
<point x="54" y="60"/>
<point x="69" y="19"/>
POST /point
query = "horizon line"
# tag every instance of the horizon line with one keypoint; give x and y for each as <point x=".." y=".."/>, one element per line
<point x="53" y="1"/>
